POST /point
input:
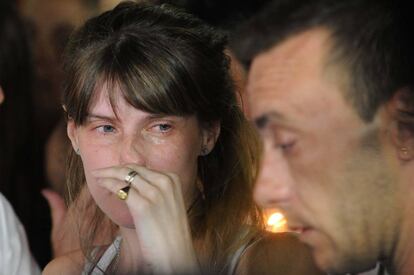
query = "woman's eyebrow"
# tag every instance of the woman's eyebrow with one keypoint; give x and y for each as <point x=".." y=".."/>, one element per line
<point x="99" y="116"/>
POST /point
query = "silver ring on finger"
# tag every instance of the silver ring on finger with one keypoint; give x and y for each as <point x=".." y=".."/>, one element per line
<point x="130" y="177"/>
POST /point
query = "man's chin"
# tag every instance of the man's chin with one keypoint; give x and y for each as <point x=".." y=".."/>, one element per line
<point x="335" y="264"/>
<point x="329" y="261"/>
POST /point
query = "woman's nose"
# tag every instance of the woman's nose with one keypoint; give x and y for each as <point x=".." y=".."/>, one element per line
<point x="132" y="151"/>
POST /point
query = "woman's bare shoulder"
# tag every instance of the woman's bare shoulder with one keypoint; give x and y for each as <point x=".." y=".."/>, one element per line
<point x="278" y="253"/>
<point x="70" y="263"/>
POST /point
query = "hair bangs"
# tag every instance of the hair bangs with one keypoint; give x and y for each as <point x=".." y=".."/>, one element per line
<point x="155" y="83"/>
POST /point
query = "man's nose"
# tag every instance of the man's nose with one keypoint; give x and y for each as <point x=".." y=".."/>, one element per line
<point x="132" y="151"/>
<point x="273" y="187"/>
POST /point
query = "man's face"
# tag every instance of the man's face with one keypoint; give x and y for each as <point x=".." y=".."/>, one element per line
<point x="323" y="166"/>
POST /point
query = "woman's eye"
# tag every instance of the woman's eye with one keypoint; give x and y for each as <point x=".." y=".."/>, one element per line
<point x="106" y="129"/>
<point x="163" y="127"/>
<point x="160" y="128"/>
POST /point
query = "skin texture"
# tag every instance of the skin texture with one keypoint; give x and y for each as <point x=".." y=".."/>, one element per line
<point x="332" y="174"/>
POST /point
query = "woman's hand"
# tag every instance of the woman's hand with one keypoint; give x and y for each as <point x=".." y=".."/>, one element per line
<point x="156" y="204"/>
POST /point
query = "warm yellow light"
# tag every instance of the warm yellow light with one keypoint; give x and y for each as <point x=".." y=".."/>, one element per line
<point x="275" y="218"/>
<point x="276" y="222"/>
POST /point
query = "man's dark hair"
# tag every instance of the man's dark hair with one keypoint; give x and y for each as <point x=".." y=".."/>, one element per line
<point x="371" y="39"/>
<point x="224" y="15"/>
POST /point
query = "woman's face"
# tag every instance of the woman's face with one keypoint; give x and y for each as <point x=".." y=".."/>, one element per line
<point x="161" y="143"/>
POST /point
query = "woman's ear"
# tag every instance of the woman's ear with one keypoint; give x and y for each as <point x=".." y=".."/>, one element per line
<point x="72" y="131"/>
<point x="210" y="135"/>
<point x="1" y="95"/>
<point x="401" y="107"/>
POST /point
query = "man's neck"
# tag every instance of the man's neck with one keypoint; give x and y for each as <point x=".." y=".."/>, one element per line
<point x="403" y="257"/>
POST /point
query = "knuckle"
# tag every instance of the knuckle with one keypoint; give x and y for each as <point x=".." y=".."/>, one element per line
<point x="141" y="206"/>
<point x="175" y="182"/>
<point x="164" y="182"/>
<point x="125" y="171"/>
<point x="153" y="195"/>
<point x="174" y="177"/>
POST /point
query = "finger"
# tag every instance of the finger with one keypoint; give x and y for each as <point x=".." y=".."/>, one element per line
<point x="163" y="180"/>
<point x="167" y="182"/>
<point x="111" y="184"/>
<point x="146" y="189"/>
<point x="114" y="172"/>
<point x="162" y="183"/>
<point x="159" y="188"/>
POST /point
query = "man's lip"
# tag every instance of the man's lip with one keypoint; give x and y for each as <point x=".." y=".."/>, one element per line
<point x="299" y="229"/>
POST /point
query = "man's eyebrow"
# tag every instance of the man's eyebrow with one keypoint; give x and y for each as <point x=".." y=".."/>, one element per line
<point x="264" y="119"/>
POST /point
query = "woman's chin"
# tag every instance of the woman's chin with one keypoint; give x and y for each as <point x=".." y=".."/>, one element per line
<point x="120" y="216"/>
<point x="125" y="221"/>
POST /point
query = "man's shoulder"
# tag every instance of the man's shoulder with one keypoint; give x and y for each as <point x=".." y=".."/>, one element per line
<point x="278" y="253"/>
<point x="284" y="242"/>
<point x="377" y="270"/>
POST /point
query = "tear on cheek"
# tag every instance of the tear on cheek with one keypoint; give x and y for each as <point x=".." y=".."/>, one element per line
<point x="155" y="140"/>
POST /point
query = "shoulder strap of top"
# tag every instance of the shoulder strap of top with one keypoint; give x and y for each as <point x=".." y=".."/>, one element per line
<point x="235" y="259"/>
<point x="102" y="265"/>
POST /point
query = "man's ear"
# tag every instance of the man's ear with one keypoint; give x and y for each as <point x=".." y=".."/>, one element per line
<point x="72" y="131"/>
<point x="210" y="135"/>
<point x="1" y="95"/>
<point x="401" y="108"/>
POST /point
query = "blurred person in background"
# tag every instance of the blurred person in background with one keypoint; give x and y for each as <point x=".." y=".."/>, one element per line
<point x="17" y="158"/>
<point x="50" y="24"/>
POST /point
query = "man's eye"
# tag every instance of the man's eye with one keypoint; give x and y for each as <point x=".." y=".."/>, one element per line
<point x="106" y="129"/>
<point x="286" y="146"/>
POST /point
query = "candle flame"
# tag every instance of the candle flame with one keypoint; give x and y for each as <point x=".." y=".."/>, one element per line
<point x="276" y="222"/>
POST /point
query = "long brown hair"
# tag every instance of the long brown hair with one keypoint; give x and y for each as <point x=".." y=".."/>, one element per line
<point x="168" y="62"/>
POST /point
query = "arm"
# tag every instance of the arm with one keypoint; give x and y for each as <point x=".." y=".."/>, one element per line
<point x="15" y="256"/>
<point x="280" y="253"/>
